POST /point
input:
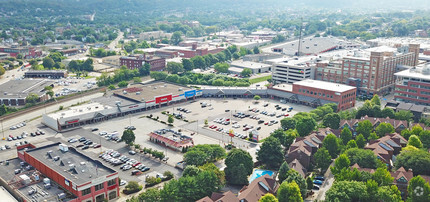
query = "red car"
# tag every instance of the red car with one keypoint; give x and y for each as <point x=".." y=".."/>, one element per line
<point x="97" y="146"/>
<point x="267" y="123"/>
<point x="286" y="115"/>
<point x="227" y="120"/>
<point x="136" y="164"/>
<point x="214" y="127"/>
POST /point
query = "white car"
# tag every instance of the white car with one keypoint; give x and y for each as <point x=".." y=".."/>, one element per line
<point x="72" y="140"/>
<point x="122" y="183"/>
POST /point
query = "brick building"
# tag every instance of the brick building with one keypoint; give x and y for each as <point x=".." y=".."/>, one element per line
<point x="89" y="180"/>
<point x="342" y="94"/>
<point x="26" y="52"/>
<point x="137" y="61"/>
<point x="371" y="71"/>
<point x="413" y="85"/>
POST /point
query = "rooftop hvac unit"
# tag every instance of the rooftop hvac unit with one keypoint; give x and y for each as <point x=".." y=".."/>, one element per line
<point x="56" y="158"/>
<point x="71" y="166"/>
<point x="46" y="180"/>
<point x="82" y="163"/>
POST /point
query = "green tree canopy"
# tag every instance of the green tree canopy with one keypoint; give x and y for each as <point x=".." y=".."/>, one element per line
<point x="221" y="67"/>
<point x="425" y="138"/>
<point x="331" y="143"/>
<point x="187" y="64"/>
<point x="331" y="120"/>
<point x="174" y="67"/>
<point x="283" y="171"/>
<point x="305" y="125"/>
<point x="387" y="112"/>
<point x="246" y="72"/>
<point x="383" y="177"/>
<point x="415" y="141"/>
<point x="176" y="38"/>
<point x="239" y="165"/>
<point x="322" y="159"/>
<point x="363" y="157"/>
<point x="361" y="141"/>
<point x="365" y="128"/>
<point x="271" y="153"/>
<point x="32" y="98"/>
<point x="417" y="160"/>
<point x="294" y="176"/>
<point x="128" y="136"/>
<point x="418" y="189"/>
<point x="345" y="135"/>
<point x="383" y="129"/>
<point x="347" y="191"/>
<point x="288" y="123"/>
<point x="268" y="198"/>
<point x="289" y="192"/>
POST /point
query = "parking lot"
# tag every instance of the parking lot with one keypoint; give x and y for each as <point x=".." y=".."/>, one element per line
<point x="70" y="85"/>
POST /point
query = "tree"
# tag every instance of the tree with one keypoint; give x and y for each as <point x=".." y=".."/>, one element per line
<point x="283" y="171"/>
<point x="340" y="163"/>
<point x="288" y="123"/>
<point x="198" y="62"/>
<point x="404" y="115"/>
<point x="382" y="177"/>
<point x="111" y="87"/>
<point x="406" y="133"/>
<point x="257" y="97"/>
<point x="347" y="191"/>
<point x="365" y="128"/>
<point x="373" y="136"/>
<point x="170" y="119"/>
<point x="351" y="144"/>
<point x="174" y="67"/>
<point x="331" y="143"/>
<point x="128" y="136"/>
<point x="204" y="153"/>
<point x="289" y="192"/>
<point x="221" y="67"/>
<point x="151" y="194"/>
<point x="309" y="183"/>
<point x="239" y="165"/>
<point x="268" y="198"/>
<point x="2" y="70"/>
<point x="236" y="56"/>
<point x="256" y="50"/>
<point x="418" y="189"/>
<point x="361" y="142"/>
<point x="246" y="72"/>
<point x="133" y="186"/>
<point x="195" y="157"/>
<point x="389" y="193"/>
<point x="322" y="159"/>
<point x="191" y="170"/>
<point x="210" y="167"/>
<point x="331" y="120"/>
<point x="425" y="138"/>
<point x="363" y="157"/>
<point x="375" y="100"/>
<point x="32" y="98"/>
<point x="416" y="130"/>
<point x="387" y="112"/>
<point x="294" y="176"/>
<point x="305" y="125"/>
<point x="176" y="38"/>
<point x="383" y="129"/>
<point x="50" y="93"/>
<point x="271" y="153"/>
<point x="48" y="62"/>
<point x="415" y="141"/>
<point x="187" y="64"/>
<point x="417" y="160"/>
<point x="345" y="135"/>
<point x="122" y="84"/>
<point x="3" y="109"/>
<point x="137" y="80"/>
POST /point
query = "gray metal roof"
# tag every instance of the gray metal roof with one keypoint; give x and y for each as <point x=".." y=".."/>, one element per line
<point x="21" y="88"/>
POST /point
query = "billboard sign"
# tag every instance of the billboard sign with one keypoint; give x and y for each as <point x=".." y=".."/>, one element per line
<point x="190" y="93"/>
<point x="162" y="99"/>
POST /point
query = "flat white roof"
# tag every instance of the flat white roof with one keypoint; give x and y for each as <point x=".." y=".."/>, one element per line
<point x="413" y="73"/>
<point x="324" y="85"/>
<point x="249" y="64"/>
<point x="6" y="196"/>
<point x="80" y="110"/>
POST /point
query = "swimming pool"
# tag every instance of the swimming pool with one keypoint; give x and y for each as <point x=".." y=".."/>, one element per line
<point x="258" y="173"/>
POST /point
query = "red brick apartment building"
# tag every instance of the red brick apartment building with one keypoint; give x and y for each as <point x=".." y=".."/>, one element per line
<point x="89" y="180"/>
<point x="371" y="73"/>
<point x="137" y="61"/>
<point x="27" y="52"/>
<point x="342" y="94"/>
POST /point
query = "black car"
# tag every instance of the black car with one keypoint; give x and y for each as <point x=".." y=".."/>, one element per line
<point x="82" y="139"/>
<point x="94" y="129"/>
<point x="33" y="135"/>
<point x="81" y="145"/>
<point x="85" y="147"/>
<point x="284" y="109"/>
<point x="258" y="128"/>
<point x="88" y="142"/>
<point x="260" y="121"/>
<point x="7" y="146"/>
<point x="145" y="169"/>
<point x="266" y="105"/>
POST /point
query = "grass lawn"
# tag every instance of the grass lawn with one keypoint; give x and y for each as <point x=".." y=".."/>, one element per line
<point x="260" y="79"/>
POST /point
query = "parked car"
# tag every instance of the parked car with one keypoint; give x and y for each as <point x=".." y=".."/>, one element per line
<point x="145" y="169"/>
<point x="316" y="187"/>
<point x="97" y="146"/>
<point x="72" y="140"/>
<point x="320" y="178"/>
<point x="131" y="152"/>
<point x="82" y="139"/>
<point x="318" y="182"/>
<point x="94" y="129"/>
<point x="85" y="147"/>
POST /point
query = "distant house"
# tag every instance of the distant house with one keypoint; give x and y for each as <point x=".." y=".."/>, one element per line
<point x="356" y="166"/>
<point x="352" y="124"/>
<point x="220" y="197"/>
<point x="300" y="154"/>
<point x="250" y="193"/>
<point x="387" y="147"/>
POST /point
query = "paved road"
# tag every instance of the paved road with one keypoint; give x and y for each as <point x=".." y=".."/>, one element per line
<point x="115" y="42"/>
